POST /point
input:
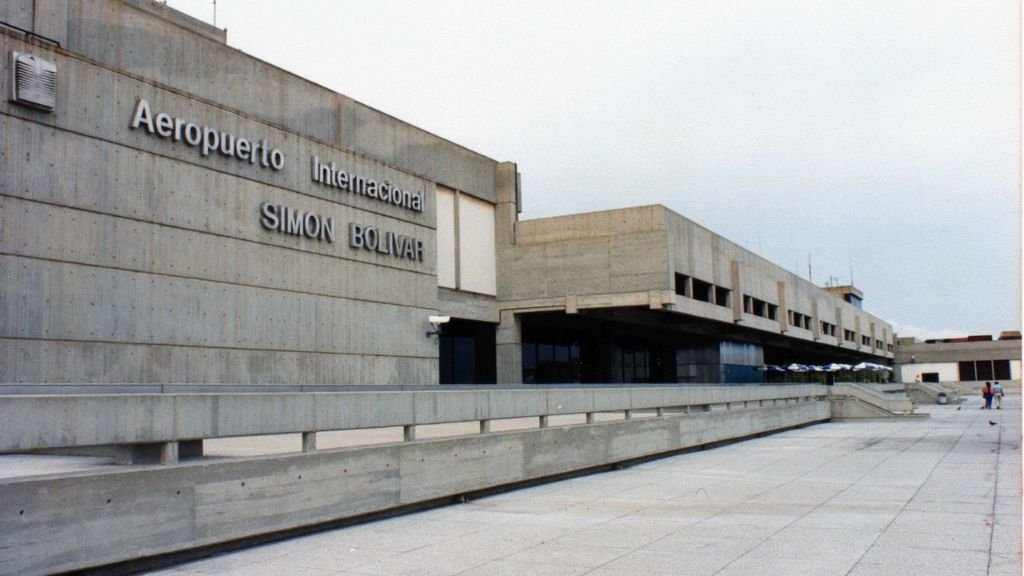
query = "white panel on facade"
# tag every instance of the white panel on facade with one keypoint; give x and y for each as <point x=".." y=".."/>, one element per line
<point x="477" y="268"/>
<point x="445" y="237"/>
<point x="947" y="371"/>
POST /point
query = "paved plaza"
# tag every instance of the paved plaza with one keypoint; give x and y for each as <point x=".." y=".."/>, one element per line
<point x="929" y="496"/>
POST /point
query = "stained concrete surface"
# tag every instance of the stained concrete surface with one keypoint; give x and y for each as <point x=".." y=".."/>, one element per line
<point x="859" y="498"/>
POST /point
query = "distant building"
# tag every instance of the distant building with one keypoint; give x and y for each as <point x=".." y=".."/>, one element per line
<point x="969" y="360"/>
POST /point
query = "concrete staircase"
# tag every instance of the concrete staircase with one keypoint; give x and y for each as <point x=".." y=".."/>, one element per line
<point x="850" y="401"/>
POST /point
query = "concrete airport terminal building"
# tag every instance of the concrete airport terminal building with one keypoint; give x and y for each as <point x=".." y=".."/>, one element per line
<point x="173" y="210"/>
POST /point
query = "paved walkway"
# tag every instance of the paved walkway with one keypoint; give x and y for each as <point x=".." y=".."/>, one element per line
<point x="937" y="496"/>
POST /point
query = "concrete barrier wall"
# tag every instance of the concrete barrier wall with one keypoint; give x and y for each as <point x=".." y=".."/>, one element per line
<point x="38" y="422"/>
<point x="53" y="524"/>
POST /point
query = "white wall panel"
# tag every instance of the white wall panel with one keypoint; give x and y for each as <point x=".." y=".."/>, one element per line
<point x="445" y="237"/>
<point x="477" y="268"/>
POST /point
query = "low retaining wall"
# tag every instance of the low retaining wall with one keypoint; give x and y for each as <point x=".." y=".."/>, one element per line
<point x="79" y="520"/>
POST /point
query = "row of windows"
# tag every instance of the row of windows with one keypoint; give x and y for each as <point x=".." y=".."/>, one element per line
<point x="701" y="290"/>
<point x="760" y="308"/>
<point x="984" y="370"/>
<point x="706" y="292"/>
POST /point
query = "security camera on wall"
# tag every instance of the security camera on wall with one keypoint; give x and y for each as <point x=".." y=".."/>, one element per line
<point x="437" y="322"/>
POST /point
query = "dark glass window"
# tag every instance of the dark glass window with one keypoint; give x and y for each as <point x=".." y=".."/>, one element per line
<point x="529" y="363"/>
<point x="682" y="285"/>
<point x="702" y="291"/>
<point x="1001" y="369"/>
<point x="984" y="369"/>
<point x="758" y="307"/>
<point x="722" y="296"/>
<point x="635" y="364"/>
<point x="967" y="372"/>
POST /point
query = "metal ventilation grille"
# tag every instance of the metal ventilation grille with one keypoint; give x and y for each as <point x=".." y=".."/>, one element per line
<point x="33" y="81"/>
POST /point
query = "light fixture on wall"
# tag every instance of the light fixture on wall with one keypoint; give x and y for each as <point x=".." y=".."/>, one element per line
<point x="437" y="322"/>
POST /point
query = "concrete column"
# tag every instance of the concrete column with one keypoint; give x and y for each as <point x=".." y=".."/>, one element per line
<point x="783" y="309"/>
<point x="509" y="349"/>
<point x="309" y="441"/>
<point x="840" y="336"/>
<point x="816" y="321"/>
<point x="506" y="212"/>
<point x="409" y="432"/>
<point x="169" y="453"/>
<point x="737" y="290"/>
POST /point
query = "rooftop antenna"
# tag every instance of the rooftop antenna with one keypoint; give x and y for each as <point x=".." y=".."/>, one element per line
<point x="851" y="271"/>
<point x="810" y="277"/>
<point x="214" y="12"/>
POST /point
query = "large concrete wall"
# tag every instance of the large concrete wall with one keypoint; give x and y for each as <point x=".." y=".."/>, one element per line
<point x="133" y="258"/>
<point x="67" y="522"/>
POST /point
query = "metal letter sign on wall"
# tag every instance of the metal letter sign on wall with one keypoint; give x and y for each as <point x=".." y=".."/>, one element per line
<point x="33" y="81"/>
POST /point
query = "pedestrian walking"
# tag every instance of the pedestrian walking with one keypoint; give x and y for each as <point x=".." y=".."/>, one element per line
<point x="997" y="390"/>
<point x="986" y="393"/>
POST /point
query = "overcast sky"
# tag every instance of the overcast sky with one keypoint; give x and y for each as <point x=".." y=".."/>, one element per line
<point x="874" y="138"/>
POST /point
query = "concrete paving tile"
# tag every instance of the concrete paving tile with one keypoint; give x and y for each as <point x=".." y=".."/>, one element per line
<point x="944" y="506"/>
<point x="690" y="547"/>
<point x="651" y="563"/>
<point x="880" y="494"/>
<point x="508" y="568"/>
<point x="941" y="522"/>
<point x="740" y="516"/>
<point x="629" y="533"/>
<point x="875" y="569"/>
<point x="563" y="554"/>
<point x="335" y="559"/>
<point x="803" y="493"/>
<point x="1005" y="564"/>
<point x="852" y="520"/>
<point x="767" y="565"/>
<point x="264" y="569"/>
<point x="926" y="560"/>
<point x="417" y="563"/>
<point x="945" y="540"/>
<point x="837" y="544"/>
